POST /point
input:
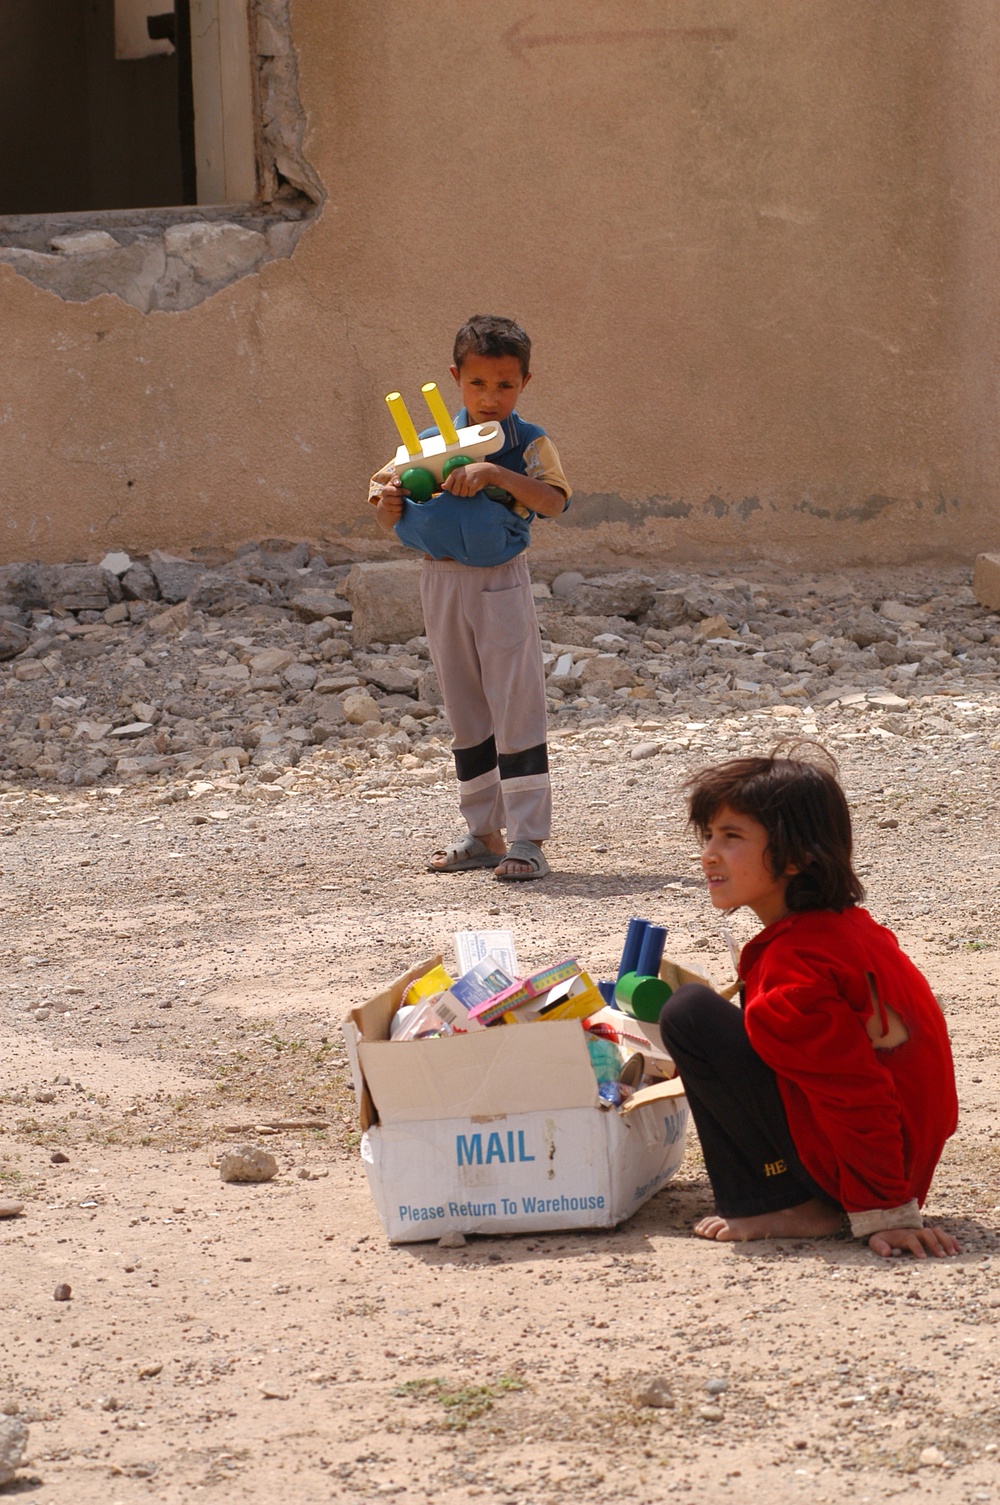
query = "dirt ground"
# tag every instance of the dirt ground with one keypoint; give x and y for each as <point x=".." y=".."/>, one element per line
<point x="196" y="957"/>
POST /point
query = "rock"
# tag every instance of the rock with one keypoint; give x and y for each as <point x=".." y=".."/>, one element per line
<point x="83" y="587"/>
<point x="139" y="584"/>
<point x="300" y="676"/>
<point x="130" y="730"/>
<point x="118" y="564"/>
<point x="247" y="1162"/>
<point x="895" y="611"/>
<point x="610" y="642"/>
<point x="986" y="581"/>
<point x="609" y="672"/>
<point x="628" y="595"/>
<point x="11" y="1209"/>
<point x="386" y="602"/>
<point x="645" y="750"/>
<point x="271" y="661"/>
<point x="150" y="1371"/>
<point x="62" y="1292"/>
<point x="13" y="639"/>
<point x="932" y="1457"/>
<point x="656" y="1393"/>
<point x="84" y="243"/>
<point x="45" y="1095"/>
<point x="58" y="1158"/>
<point x="453" y="1240"/>
<point x="175" y="578"/>
<point x="711" y="1413"/>
<point x="219" y="594"/>
<point x="273" y="1390"/>
<point x="717" y="1387"/>
<point x="565" y="585"/>
<point x="313" y="604"/>
<point x="13" y="1441"/>
<point x="359" y="707"/>
<point x="393" y="679"/>
<point x="714" y="627"/>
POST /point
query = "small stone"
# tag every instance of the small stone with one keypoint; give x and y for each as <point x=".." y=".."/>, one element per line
<point x="11" y="1209"/>
<point x="58" y="1158"/>
<point x="150" y="1371"/>
<point x="717" y="1387"/>
<point x="656" y="1393"/>
<point x="360" y="707"/>
<point x="931" y="1457"/>
<point x="109" y="1403"/>
<point x="62" y="1292"/>
<point x="131" y="729"/>
<point x="46" y="1095"/>
<point x="247" y="1162"/>
<point x="645" y="750"/>
<point x="271" y="1390"/>
<point x="565" y="584"/>
<point x="13" y="1441"/>
<point x="888" y="825"/>
<point x="711" y="1413"/>
<point x="86" y="243"/>
<point x="452" y="1241"/>
<point x="42" y="1014"/>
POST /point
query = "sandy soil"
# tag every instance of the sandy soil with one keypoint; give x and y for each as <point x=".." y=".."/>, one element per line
<point x="244" y="1343"/>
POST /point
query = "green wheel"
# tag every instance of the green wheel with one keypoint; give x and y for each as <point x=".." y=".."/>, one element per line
<point x="418" y="483"/>
<point x="453" y="463"/>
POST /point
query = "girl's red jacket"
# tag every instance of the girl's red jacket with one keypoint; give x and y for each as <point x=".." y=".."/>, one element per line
<point x="869" y="1125"/>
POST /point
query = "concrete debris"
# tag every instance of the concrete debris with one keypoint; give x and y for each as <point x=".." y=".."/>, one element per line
<point x="13" y="1441"/>
<point x="212" y="669"/>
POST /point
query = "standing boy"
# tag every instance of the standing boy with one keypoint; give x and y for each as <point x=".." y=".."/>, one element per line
<point x="479" y="614"/>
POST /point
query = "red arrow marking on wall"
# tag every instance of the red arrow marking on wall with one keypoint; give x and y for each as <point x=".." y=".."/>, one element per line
<point x="519" y="44"/>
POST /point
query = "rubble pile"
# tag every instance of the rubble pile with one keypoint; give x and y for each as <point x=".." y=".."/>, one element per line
<point x="275" y="668"/>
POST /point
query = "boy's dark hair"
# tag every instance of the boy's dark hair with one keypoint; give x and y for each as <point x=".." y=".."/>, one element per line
<point x="489" y="334"/>
<point x="801" y="806"/>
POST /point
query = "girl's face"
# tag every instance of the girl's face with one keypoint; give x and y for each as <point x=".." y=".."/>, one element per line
<point x="734" y="861"/>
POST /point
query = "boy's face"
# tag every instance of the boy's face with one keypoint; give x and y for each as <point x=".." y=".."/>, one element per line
<point x="490" y="386"/>
<point x="737" y="868"/>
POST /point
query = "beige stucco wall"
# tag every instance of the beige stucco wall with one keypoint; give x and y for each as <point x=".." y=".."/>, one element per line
<point x="755" y="247"/>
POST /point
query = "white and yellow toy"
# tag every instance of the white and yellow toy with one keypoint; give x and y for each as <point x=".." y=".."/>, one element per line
<point x="423" y="464"/>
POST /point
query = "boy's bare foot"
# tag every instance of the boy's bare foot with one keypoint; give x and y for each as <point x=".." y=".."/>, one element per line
<point x="523" y="860"/>
<point x="812" y="1219"/>
<point x="468" y="853"/>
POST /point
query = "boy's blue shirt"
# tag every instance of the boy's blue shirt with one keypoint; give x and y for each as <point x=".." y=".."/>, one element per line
<point x="476" y="530"/>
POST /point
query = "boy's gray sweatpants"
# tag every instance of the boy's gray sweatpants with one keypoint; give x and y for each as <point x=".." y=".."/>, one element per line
<point x="483" y="636"/>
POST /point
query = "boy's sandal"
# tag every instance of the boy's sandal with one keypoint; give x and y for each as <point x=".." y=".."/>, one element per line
<point x="464" y="857"/>
<point x="531" y="856"/>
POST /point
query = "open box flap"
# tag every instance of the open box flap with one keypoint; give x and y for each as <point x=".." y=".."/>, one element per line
<point x="518" y="1068"/>
<point x="659" y="1092"/>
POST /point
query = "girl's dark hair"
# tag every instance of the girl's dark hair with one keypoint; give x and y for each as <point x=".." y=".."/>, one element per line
<point x="801" y="806"/>
<point x="492" y="335"/>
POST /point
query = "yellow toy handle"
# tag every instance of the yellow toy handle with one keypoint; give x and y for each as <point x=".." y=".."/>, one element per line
<point x="439" y="413"/>
<point x="404" y="424"/>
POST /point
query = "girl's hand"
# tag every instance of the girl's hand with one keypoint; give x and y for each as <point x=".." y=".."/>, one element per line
<point x="919" y="1241"/>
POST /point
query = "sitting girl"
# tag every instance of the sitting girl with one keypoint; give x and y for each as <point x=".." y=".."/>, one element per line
<point x="832" y="1090"/>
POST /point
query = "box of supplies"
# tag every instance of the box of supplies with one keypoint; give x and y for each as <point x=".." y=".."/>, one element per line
<point x="501" y="1130"/>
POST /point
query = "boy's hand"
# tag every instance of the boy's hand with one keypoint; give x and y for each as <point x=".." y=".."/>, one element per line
<point x="466" y="480"/>
<point x="919" y="1241"/>
<point x="389" y="507"/>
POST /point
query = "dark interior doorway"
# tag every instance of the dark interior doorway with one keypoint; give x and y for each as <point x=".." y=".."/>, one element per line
<point x="82" y="129"/>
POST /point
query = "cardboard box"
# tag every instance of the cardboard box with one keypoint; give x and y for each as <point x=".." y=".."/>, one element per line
<point x="501" y="1131"/>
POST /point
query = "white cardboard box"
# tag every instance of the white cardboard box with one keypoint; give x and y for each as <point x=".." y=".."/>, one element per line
<point x="501" y="1131"/>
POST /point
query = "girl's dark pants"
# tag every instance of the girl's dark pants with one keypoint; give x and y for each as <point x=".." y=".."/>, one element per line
<point x="749" y="1154"/>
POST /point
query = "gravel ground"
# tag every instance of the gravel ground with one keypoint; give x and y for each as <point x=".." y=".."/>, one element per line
<point x="180" y="943"/>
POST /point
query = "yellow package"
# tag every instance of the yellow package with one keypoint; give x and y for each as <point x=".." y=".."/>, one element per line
<point x="429" y="986"/>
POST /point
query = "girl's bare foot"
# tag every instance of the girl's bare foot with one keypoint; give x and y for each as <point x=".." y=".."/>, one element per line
<point x="812" y="1219"/>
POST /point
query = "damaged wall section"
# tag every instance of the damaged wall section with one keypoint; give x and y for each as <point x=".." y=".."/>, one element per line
<point x="169" y="259"/>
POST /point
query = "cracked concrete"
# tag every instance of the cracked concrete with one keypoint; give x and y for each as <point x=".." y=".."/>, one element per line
<point x="172" y="259"/>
